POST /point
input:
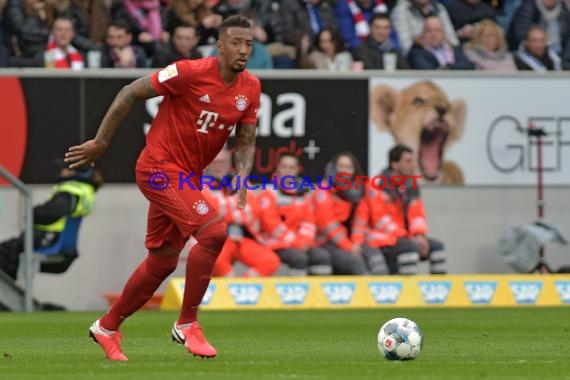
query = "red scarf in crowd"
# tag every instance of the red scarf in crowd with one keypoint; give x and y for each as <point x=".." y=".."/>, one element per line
<point x="72" y="60"/>
<point x="360" y="24"/>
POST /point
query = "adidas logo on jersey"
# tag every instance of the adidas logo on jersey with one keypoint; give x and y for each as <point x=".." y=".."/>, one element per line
<point x="205" y="99"/>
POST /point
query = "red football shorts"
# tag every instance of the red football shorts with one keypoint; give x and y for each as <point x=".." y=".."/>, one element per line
<point x="174" y="213"/>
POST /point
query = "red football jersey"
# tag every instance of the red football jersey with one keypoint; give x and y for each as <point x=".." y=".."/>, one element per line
<point x="198" y="113"/>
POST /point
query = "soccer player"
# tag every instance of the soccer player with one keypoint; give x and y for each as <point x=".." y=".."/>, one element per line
<point x="204" y="101"/>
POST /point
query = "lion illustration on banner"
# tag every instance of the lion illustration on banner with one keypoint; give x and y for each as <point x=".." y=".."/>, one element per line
<point x="422" y="117"/>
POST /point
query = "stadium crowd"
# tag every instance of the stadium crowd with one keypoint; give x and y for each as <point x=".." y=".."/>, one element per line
<point x="335" y="229"/>
<point x="504" y="35"/>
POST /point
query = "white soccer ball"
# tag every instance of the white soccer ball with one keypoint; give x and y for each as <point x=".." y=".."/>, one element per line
<point x="400" y="339"/>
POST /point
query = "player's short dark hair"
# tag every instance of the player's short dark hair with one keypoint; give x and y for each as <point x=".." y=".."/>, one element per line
<point x="236" y="21"/>
<point x="288" y="154"/>
<point x="380" y="16"/>
<point x="396" y="153"/>
<point x="120" y="24"/>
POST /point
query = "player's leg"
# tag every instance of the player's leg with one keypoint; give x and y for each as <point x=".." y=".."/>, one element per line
<point x="224" y="264"/>
<point x="437" y="259"/>
<point x="160" y="262"/>
<point x="261" y="260"/>
<point x="407" y="256"/>
<point x="201" y="259"/>
<point x="320" y="262"/>
<point x="375" y="260"/>
<point x="297" y="260"/>
<point x="344" y="262"/>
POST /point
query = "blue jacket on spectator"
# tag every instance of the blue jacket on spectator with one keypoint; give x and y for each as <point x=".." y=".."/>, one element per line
<point x="346" y="24"/>
<point x="527" y="15"/>
<point x="421" y="59"/>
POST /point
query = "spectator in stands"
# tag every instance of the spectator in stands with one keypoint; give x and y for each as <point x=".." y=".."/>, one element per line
<point x="59" y="52"/>
<point x="260" y="57"/>
<point x="227" y="8"/>
<point x="118" y="51"/>
<point x="488" y="48"/>
<point x="334" y="210"/>
<point x="409" y="16"/>
<point x="353" y="17"/>
<point x="183" y="45"/>
<point x="197" y="14"/>
<point x="329" y="52"/>
<point x="4" y="55"/>
<point x="309" y="16"/>
<point x="243" y="224"/>
<point x="72" y="197"/>
<point x="79" y="13"/>
<point x="504" y="13"/>
<point x="432" y="52"/>
<point x="399" y="210"/>
<point x="144" y="20"/>
<point x="534" y="54"/>
<point x="371" y="52"/>
<point x="466" y="14"/>
<point x="551" y="15"/>
<point x="29" y="21"/>
<point x="288" y="223"/>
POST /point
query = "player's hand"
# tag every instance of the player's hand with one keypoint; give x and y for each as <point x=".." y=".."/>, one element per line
<point x="84" y="154"/>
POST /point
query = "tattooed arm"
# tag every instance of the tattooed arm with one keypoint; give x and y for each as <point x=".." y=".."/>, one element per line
<point x="244" y="156"/>
<point x="89" y="151"/>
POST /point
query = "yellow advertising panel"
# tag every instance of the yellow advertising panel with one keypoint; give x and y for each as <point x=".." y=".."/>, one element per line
<point x="377" y="291"/>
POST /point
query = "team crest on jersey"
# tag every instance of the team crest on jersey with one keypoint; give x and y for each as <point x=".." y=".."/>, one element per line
<point x="241" y="102"/>
<point x="201" y="207"/>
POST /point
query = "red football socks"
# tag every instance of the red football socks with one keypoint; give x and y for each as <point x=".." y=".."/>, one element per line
<point x="199" y="267"/>
<point x="139" y="289"/>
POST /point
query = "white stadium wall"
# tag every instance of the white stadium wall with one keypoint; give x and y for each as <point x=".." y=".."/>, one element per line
<point x="468" y="220"/>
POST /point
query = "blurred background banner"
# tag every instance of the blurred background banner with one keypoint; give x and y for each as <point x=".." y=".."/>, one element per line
<point x="304" y="117"/>
<point x="483" y="117"/>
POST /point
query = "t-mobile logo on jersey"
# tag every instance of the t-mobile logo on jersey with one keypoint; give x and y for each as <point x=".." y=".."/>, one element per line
<point x="208" y="119"/>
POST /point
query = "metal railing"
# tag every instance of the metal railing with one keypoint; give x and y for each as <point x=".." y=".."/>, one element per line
<point x="28" y="237"/>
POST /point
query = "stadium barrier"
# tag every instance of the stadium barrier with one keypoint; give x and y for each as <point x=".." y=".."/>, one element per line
<point x="344" y="292"/>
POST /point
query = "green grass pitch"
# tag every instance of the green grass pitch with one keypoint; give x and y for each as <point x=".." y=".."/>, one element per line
<point x="521" y="343"/>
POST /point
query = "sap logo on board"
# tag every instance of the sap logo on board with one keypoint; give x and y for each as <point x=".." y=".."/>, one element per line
<point x="385" y="292"/>
<point x="339" y="293"/>
<point x="525" y="292"/>
<point x="245" y="294"/>
<point x="563" y="289"/>
<point x="209" y="294"/>
<point x="480" y="292"/>
<point x="435" y="292"/>
<point x="292" y="294"/>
